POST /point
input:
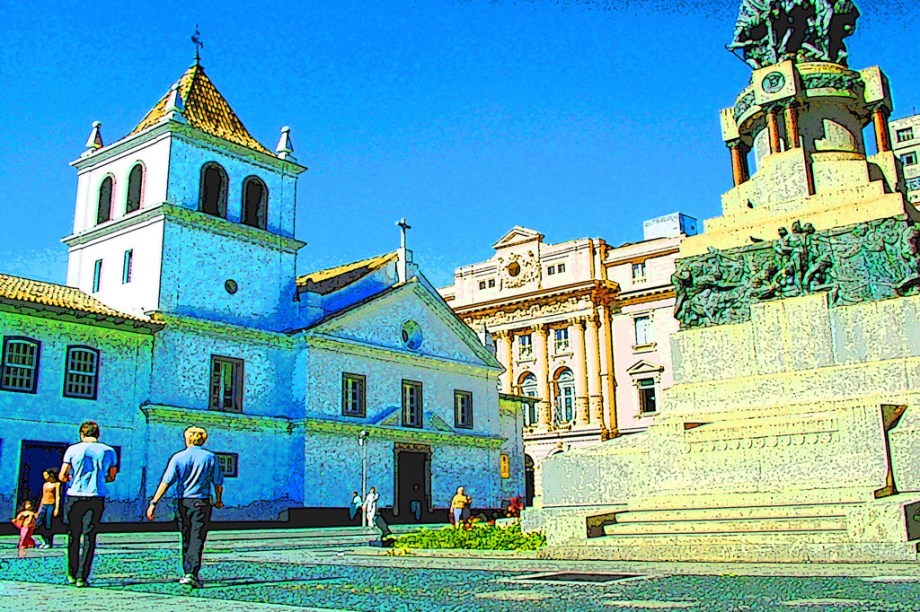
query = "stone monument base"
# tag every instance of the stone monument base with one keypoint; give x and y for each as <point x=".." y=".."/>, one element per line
<point x="800" y="442"/>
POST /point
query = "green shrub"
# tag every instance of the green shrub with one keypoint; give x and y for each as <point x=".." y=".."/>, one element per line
<point x="479" y="537"/>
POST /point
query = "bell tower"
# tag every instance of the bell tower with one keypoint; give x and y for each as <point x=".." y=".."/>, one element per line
<point x="188" y="214"/>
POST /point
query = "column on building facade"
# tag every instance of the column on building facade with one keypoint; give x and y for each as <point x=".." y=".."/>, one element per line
<point x="880" y="122"/>
<point x="503" y="347"/>
<point x="541" y="358"/>
<point x="580" y="363"/>
<point x="773" y="130"/>
<point x="608" y="383"/>
<point x="737" y="150"/>
<point x="791" y="116"/>
<point x="592" y="354"/>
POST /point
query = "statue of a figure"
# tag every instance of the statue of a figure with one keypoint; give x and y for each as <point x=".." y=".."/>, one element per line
<point x="770" y="31"/>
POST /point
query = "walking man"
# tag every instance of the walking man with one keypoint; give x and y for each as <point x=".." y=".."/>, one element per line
<point x="88" y="465"/>
<point x="194" y="471"/>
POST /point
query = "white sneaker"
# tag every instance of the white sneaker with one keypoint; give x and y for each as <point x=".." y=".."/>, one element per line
<point x="189" y="580"/>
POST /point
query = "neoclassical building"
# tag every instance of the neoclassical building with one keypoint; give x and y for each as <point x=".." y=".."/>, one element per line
<point x="905" y="142"/>
<point x="581" y="326"/>
<point x="182" y="307"/>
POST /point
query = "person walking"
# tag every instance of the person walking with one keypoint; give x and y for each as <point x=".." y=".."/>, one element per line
<point x="88" y="466"/>
<point x="370" y="506"/>
<point x="25" y="523"/>
<point x="355" y="506"/>
<point x="458" y="504"/>
<point x="194" y="471"/>
<point x="50" y="507"/>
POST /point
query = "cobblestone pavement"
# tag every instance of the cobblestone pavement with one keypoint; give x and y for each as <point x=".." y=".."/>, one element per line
<point x="266" y="571"/>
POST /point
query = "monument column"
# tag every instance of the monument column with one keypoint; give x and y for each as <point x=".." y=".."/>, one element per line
<point x="503" y="352"/>
<point x="541" y="357"/>
<point x="773" y="129"/>
<point x="791" y="115"/>
<point x="592" y="354"/>
<point x="581" y="372"/>
<point x="737" y="149"/>
<point x="880" y="121"/>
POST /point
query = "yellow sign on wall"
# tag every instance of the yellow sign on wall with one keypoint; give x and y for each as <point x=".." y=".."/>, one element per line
<point x="505" y="466"/>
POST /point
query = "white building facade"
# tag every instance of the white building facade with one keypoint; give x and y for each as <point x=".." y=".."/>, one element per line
<point x="580" y="326"/>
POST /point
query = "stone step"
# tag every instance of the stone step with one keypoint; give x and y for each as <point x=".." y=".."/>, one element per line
<point x="777" y="549"/>
<point x="728" y="513"/>
<point x="771" y="525"/>
<point x="732" y="499"/>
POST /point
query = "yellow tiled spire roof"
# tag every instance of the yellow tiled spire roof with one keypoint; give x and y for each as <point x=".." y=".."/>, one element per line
<point x="23" y="290"/>
<point x="332" y="279"/>
<point x="205" y="109"/>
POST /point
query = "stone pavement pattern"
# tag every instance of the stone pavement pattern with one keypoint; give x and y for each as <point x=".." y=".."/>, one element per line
<point x="262" y="571"/>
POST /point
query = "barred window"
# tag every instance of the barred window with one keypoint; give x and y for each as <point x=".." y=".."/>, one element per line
<point x="20" y="365"/>
<point x="229" y="464"/>
<point x="226" y="384"/>
<point x="354" y="396"/>
<point x="81" y="374"/>
<point x="463" y="409"/>
<point x="411" y="403"/>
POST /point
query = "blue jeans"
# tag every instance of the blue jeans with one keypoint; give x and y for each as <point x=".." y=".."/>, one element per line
<point x="43" y="524"/>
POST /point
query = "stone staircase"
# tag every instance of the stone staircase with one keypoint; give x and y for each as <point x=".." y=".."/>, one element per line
<point x="755" y="527"/>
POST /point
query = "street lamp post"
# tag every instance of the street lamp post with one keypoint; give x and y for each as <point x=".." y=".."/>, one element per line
<point x="362" y="442"/>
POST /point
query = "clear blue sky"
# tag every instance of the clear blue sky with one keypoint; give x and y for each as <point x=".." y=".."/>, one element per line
<point x="574" y="118"/>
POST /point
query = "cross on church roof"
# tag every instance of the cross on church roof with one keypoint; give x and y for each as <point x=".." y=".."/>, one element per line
<point x="196" y="39"/>
<point x="403" y="226"/>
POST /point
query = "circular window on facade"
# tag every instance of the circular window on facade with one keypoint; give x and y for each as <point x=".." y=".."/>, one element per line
<point x="514" y="268"/>
<point x="231" y="286"/>
<point x="412" y="334"/>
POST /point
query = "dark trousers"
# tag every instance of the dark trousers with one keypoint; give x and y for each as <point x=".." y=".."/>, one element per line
<point x="193" y="517"/>
<point x="82" y="516"/>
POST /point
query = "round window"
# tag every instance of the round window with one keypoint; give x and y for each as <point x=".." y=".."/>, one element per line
<point x="514" y="268"/>
<point x="412" y="334"/>
<point x="230" y="286"/>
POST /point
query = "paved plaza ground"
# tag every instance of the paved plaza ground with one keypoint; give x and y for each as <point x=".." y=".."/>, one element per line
<point x="272" y="571"/>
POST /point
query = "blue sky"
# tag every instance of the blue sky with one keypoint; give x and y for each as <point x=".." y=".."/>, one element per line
<point x="574" y="118"/>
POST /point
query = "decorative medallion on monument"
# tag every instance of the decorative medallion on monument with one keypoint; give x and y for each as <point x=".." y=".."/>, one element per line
<point x="517" y="269"/>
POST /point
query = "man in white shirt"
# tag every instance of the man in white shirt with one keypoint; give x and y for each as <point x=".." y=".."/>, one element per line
<point x="88" y="466"/>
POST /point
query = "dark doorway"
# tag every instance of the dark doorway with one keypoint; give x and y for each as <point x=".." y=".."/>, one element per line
<point x="528" y="481"/>
<point x="412" y="497"/>
<point x="34" y="458"/>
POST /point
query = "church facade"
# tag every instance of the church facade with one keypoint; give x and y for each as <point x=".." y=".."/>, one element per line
<point x="182" y="307"/>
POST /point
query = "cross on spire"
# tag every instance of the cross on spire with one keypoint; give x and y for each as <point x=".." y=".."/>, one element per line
<point x="403" y="226"/>
<point x="196" y="39"/>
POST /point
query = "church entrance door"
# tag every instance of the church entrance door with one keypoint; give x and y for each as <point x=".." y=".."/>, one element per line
<point x="412" y="488"/>
<point x="34" y="458"/>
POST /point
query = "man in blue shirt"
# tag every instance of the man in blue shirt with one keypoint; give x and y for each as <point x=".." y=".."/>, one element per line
<point x="87" y="466"/>
<point x="194" y="471"/>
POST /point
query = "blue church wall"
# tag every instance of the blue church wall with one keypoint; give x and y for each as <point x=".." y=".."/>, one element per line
<point x="332" y="469"/>
<point x="199" y="264"/>
<point x="47" y="417"/>
<point x="182" y="368"/>
<point x="475" y="469"/>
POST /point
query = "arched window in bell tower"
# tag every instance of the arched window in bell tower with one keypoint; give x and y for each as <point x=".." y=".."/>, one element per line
<point x="135" y="189"/>
<point x="255" y="202"/>
<point x="212" y="198"/>
<point x="104" y="210"/>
